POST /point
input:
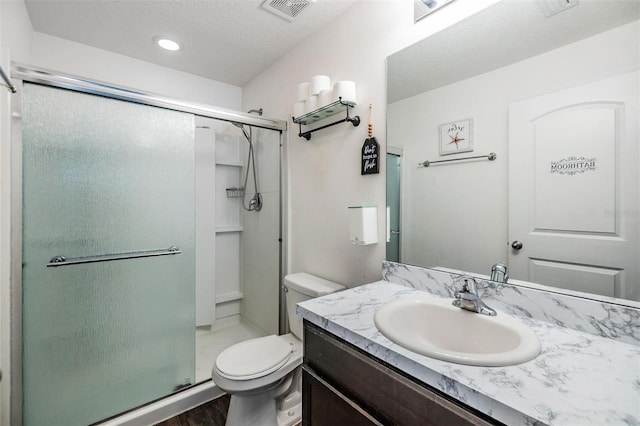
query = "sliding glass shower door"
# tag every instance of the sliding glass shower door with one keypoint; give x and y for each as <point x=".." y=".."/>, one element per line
<point x="108" y="255"/>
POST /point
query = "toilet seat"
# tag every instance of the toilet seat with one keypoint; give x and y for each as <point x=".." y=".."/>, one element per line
<point x="253" y="358"/>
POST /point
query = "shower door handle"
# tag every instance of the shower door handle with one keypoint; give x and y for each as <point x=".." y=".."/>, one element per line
<point x="63" y="261"/>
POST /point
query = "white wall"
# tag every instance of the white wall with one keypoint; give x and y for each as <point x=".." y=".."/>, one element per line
<point x="15" y="31"/>
<point x="324" y="173"/>
<point x="15" y="43"/>
<point x="98" y="64"/>
<point x="457" y="217"/>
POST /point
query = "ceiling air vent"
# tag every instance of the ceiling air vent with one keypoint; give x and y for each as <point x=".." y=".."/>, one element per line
<point x="287" y="9"/>
<point x="553" y="7"/>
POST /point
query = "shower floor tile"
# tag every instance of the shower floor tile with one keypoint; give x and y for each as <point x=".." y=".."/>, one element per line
<point x="210" y="341"/>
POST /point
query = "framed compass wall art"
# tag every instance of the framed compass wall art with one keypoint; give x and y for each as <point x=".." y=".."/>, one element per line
<point x="456" y="137"/>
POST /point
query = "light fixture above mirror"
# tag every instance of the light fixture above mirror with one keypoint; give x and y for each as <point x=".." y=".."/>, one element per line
<point x="422" y="8"/>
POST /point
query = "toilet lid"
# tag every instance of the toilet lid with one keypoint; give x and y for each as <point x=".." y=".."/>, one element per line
<point x="253" y="358"/>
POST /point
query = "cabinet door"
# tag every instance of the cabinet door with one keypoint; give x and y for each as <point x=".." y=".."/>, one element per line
<point x="322" y="404"/>
<point x="385" y="393"/>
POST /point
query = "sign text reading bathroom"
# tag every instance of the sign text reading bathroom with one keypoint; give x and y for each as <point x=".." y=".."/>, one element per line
<point x="573" y="165"/>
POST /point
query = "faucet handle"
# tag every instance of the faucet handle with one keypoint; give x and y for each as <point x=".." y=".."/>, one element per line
<point x="469" y="284"/>
<point x="468" y="298"/>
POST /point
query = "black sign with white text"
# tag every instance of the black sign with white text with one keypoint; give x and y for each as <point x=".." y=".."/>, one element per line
<point x="370" y="157"/>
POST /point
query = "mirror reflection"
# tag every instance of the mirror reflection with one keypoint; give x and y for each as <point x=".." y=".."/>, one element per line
<point x="421" y="8"/>
<point x="553" y="92"/>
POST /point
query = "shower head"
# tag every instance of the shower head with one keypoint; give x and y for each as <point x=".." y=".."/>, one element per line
<point x="241" y="125"/>
<point x="244" y="130"/>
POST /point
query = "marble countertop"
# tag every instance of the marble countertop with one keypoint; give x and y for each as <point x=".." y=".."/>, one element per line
<point x="578" y="378"/>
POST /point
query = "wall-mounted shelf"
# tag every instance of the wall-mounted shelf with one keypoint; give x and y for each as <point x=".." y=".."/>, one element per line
<point x="334" y="108"/>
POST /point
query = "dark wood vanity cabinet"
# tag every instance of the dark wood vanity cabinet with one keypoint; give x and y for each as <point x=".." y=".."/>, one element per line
<point x="342" y="385"/>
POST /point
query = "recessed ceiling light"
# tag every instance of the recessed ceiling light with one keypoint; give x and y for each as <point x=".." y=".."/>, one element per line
<point x="167" y="44"/>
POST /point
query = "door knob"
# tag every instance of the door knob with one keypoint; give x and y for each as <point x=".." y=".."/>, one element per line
<point x="516" y="245"/>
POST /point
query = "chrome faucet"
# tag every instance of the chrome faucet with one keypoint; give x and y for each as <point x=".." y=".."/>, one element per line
<point x="468" y="297"/>
<point x="499" y="273"/>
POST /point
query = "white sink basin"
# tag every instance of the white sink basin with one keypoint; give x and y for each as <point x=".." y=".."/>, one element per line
<point x="433" y="327"/>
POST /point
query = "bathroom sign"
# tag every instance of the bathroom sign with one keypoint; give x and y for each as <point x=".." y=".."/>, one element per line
<point x="573" y="165"/>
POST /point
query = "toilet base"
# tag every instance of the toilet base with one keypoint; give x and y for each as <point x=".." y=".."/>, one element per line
<point x="290" y="412"/>
<point x="289" y="405"/>
<point x="279" y="406"/>
<point x="245" y="410"/>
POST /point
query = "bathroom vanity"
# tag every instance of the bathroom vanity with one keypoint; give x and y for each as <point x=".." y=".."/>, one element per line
<point x="353" y="374"/>
<point x="344" y="385"/>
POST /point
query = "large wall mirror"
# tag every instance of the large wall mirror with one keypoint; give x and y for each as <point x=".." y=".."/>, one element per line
<point x="554" y="95"/>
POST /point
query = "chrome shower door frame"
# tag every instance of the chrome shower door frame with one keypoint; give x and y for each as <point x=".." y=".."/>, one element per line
<point x="11" y="381"/>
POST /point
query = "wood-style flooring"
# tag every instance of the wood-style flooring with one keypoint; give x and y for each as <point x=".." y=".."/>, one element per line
<point x="212" y="413"/>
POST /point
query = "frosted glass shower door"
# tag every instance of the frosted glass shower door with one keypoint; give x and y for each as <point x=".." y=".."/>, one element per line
<point x="105" y="177"/>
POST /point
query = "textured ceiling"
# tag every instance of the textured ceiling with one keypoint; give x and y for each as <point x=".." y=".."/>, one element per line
<point x="231" y="41"/>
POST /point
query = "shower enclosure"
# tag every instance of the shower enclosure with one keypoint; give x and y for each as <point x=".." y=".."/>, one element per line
<point x="129" y="238"/>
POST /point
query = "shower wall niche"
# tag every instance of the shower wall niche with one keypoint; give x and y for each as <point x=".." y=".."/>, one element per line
<point x="218" y="166"/>
<point x="228" y="165"/>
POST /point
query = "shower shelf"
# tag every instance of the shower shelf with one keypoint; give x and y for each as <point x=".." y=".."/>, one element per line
<point x="334" y="108"/>
<point x="228" y="163"/>
<point x="235" y="192"/>
<point x="232" y="228"/>
<point x="229" y="297"/>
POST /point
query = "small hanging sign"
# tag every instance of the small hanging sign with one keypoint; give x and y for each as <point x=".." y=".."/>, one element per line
<point x="370" y="162"/>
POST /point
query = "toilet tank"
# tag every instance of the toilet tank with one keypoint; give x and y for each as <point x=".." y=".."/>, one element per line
<point x="300" y="287"/>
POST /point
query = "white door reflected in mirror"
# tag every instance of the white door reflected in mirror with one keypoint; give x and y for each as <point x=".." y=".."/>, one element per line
<point x="573" y="173"/>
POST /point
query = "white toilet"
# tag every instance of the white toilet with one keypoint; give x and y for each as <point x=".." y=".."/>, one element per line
<point x="263" y="375"/>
